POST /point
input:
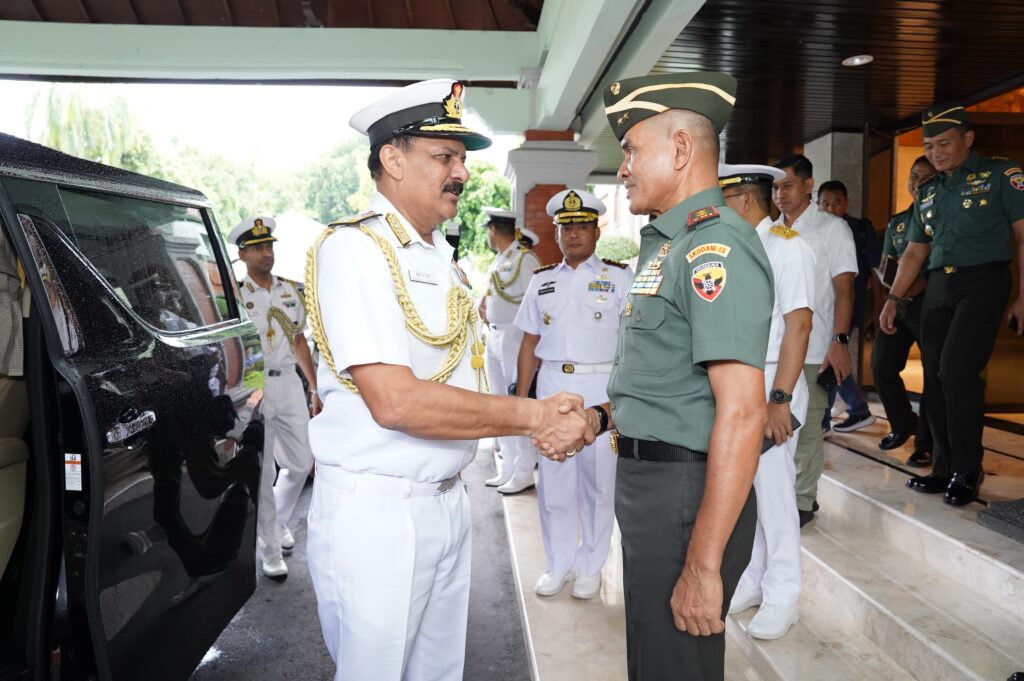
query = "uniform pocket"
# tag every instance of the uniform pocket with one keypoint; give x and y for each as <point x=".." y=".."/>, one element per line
<point x="648" y="313"/>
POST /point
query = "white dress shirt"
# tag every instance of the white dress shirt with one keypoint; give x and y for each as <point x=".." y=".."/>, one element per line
<point x="835" y="253"/>
<point x="364" y="324"/>
<point x="505" y="266"/>
<point x="275" y="340"/>
<point x="793" y="266"/>
<point x="576" y="311"/>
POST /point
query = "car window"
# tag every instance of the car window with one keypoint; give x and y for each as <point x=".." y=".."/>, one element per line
<point x="157" y="257"/>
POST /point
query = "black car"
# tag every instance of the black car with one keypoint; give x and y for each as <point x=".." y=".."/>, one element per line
<point x="127" y="516"/>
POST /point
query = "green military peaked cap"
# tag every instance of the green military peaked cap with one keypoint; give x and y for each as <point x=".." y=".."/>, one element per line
<point x="940" y="118"/>
<point x="631" y="100"/>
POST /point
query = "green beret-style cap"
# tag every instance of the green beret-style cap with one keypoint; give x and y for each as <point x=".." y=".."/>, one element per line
<point x="629" y="101"/>
<point x="940" y="118"/>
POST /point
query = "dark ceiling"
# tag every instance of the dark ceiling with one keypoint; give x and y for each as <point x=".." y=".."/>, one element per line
<point x="479" y="15"/>
<point x="786" y="55"/>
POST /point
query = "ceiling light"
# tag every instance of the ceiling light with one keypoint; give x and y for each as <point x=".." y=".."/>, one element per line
<point x="858" y="60"/>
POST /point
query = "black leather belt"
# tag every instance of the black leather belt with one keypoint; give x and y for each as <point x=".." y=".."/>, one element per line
<point x="651" y="450"/>
<point x="964" y="269"/>
<point x="273" y="372"/>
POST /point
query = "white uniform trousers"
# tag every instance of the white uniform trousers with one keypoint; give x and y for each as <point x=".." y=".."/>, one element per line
<point x="577" y="497"/>
<point x="391" y="573"/>
<point x="502" y="367"/>
<point x="774" y="569"/>
<point x="286" y="436"/>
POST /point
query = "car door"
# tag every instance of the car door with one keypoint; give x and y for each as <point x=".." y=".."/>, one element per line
<point x="159" y="511"/>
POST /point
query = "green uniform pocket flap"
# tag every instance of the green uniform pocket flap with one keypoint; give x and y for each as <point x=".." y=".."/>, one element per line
<point x="648" y="312"/>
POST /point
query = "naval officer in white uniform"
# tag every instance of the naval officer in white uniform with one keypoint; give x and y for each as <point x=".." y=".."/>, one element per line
<point x="570" y="321"/>
<point x="275" y="306"/>
<point x="772" y="579"/>
<point x="402" y="380"/>
<point x="508" y="277"/>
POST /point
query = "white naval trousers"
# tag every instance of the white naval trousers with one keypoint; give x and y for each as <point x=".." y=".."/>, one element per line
<point x="774" y="569"/>
<point x="390" y="563"/>
<point x="286" y="436"/>
<point x="502" y="367"/>
<point x="577" y="497"/>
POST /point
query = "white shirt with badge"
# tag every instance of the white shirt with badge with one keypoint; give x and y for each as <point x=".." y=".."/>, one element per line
<point x="364" y="324"/>
<point x="793" y="266"/>
<point x="576" y="311"/>
<point x="835" y="253"/>
<point x="278" y="314"/>
<point x="513" y="268"/>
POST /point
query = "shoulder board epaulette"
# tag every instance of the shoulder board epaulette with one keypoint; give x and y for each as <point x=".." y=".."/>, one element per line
<point x="614" y="263"/>
<point x="354" y="219"/>
<point x="249" y="287"/>
<point x="701" y="215"/>
<point x="523" y="249"/>
<point x="545" y="268"/>
<point x="299" y="287"/>
<point x="998" y="158"/>
<point x="783" y="231"/>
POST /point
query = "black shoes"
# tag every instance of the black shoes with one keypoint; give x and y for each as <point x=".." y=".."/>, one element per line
<point x="893" y="440"/>
<point x="920" y="460"/>
<point x="808" y="516"/>
<point x="928" y="484"/>
<point x="963" y="488"/>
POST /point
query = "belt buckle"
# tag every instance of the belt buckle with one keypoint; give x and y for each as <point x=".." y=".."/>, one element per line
<point x="614" y="438"/>
<point x="568" y="368"/>
<point x="445" y="485"/>
<point x="949" y="269"/>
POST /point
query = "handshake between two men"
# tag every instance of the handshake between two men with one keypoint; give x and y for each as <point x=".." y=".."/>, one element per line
<point x="566" y="428"/>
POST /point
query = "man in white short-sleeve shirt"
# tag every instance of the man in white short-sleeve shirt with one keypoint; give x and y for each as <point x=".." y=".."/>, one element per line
<point x="772" y="578"/>
<point x="401" y="377"/>
<point x="836" y="267"/>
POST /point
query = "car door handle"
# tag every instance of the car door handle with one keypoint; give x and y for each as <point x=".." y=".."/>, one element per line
<point x="130" y="427"/>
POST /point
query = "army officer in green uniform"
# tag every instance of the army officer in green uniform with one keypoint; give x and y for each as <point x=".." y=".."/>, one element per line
<point x="960" y="227"/>
<point x="687" y="384"/>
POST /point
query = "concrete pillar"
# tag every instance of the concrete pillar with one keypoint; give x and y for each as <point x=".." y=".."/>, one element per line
<point x="839" y="156"/>
<point x="547" y="162"/>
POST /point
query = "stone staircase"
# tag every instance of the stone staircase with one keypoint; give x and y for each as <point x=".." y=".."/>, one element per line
<point x="896" y="586"/>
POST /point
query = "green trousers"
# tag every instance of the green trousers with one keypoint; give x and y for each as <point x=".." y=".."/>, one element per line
<point x="656" y="506"/>
<point x="810" y="447"/>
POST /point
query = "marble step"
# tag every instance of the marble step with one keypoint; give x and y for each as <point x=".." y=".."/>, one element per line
<point x="857" y="493"/>
<point x="935" y="593"/>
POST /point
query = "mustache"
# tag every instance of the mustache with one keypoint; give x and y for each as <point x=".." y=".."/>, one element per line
<point x="454" y="187"/>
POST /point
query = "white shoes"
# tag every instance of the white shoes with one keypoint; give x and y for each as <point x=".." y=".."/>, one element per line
<point x="287" y="538"/>
<point x="772" y="621"/>
<point x="743" y="600"/>
<point x="275" y="567"/>
<point x="586" y="587"/>
<point x="501" y="478"/>
<point x="518" y="483"/>
<point x="550" y="584"/>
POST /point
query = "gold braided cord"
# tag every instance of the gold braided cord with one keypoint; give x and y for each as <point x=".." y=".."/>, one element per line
<point x="460" y="329"/>
<point x="288" y="327"/>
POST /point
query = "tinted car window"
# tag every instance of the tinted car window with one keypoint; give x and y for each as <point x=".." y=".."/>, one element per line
<point x="158" y="257"/>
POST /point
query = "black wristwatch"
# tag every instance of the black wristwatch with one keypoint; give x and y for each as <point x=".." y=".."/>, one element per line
<point x="842" y="338"/>
<point x="779" y="396"/>
<point x="602" y="417"/>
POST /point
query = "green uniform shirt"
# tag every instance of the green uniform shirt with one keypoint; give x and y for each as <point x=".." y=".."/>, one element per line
<point x="895" y="240"/>
<point x="704" y="292"/>
<point x="966" y="216"/>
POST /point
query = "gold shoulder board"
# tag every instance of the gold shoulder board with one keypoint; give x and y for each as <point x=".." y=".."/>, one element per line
<point x="354" y="219"/>
<point x="783" y="231"/>
<point x="545" y="268"/>
<point x="613" y="263"/>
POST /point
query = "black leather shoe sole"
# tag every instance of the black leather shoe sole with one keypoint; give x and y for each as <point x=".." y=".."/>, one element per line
<point x="928" y="484"/>
<point x="920" y="460"/>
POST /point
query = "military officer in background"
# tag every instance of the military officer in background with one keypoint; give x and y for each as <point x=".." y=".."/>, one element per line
<point x="508" y="278"/>
<point x="772" y="580"/>
<point x="687" y="386"/>
<point x="569" y="319"/>
<point x="960" y="232"/>
<point x="401" y="376"/>
<point x="889" y="351"/>
<point x="275" y="306"/>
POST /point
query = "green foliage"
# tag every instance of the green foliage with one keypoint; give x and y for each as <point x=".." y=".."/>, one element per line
<point x="338" y="183"/>
<point x="617" y="248"/>
<point x="486" y="187"/>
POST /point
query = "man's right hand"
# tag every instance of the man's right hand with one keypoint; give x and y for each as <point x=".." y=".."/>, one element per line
<point x="482" y="310"/>
<point x="780" y="423"/>
<point x="887" y="317"/>
<point x="562" y="429"/>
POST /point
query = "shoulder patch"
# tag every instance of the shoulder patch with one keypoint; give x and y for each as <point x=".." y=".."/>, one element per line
<point x="705" y="249"/>
<point x="701" y="215"/>
<point x="1011" y="171"/>
<point x="545" y="268"/>
<point x="354" y="219"/>
<point x="613" y="263"/>
<point x="783" y="231"/>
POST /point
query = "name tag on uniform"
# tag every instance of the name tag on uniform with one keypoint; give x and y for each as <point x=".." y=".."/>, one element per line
<point x="546" y="287"/>
<point x="423" y="277"/>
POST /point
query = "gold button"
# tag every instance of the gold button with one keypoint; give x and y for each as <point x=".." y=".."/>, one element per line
<point x="597" y="315"/>
<point x="968" y="203"/>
